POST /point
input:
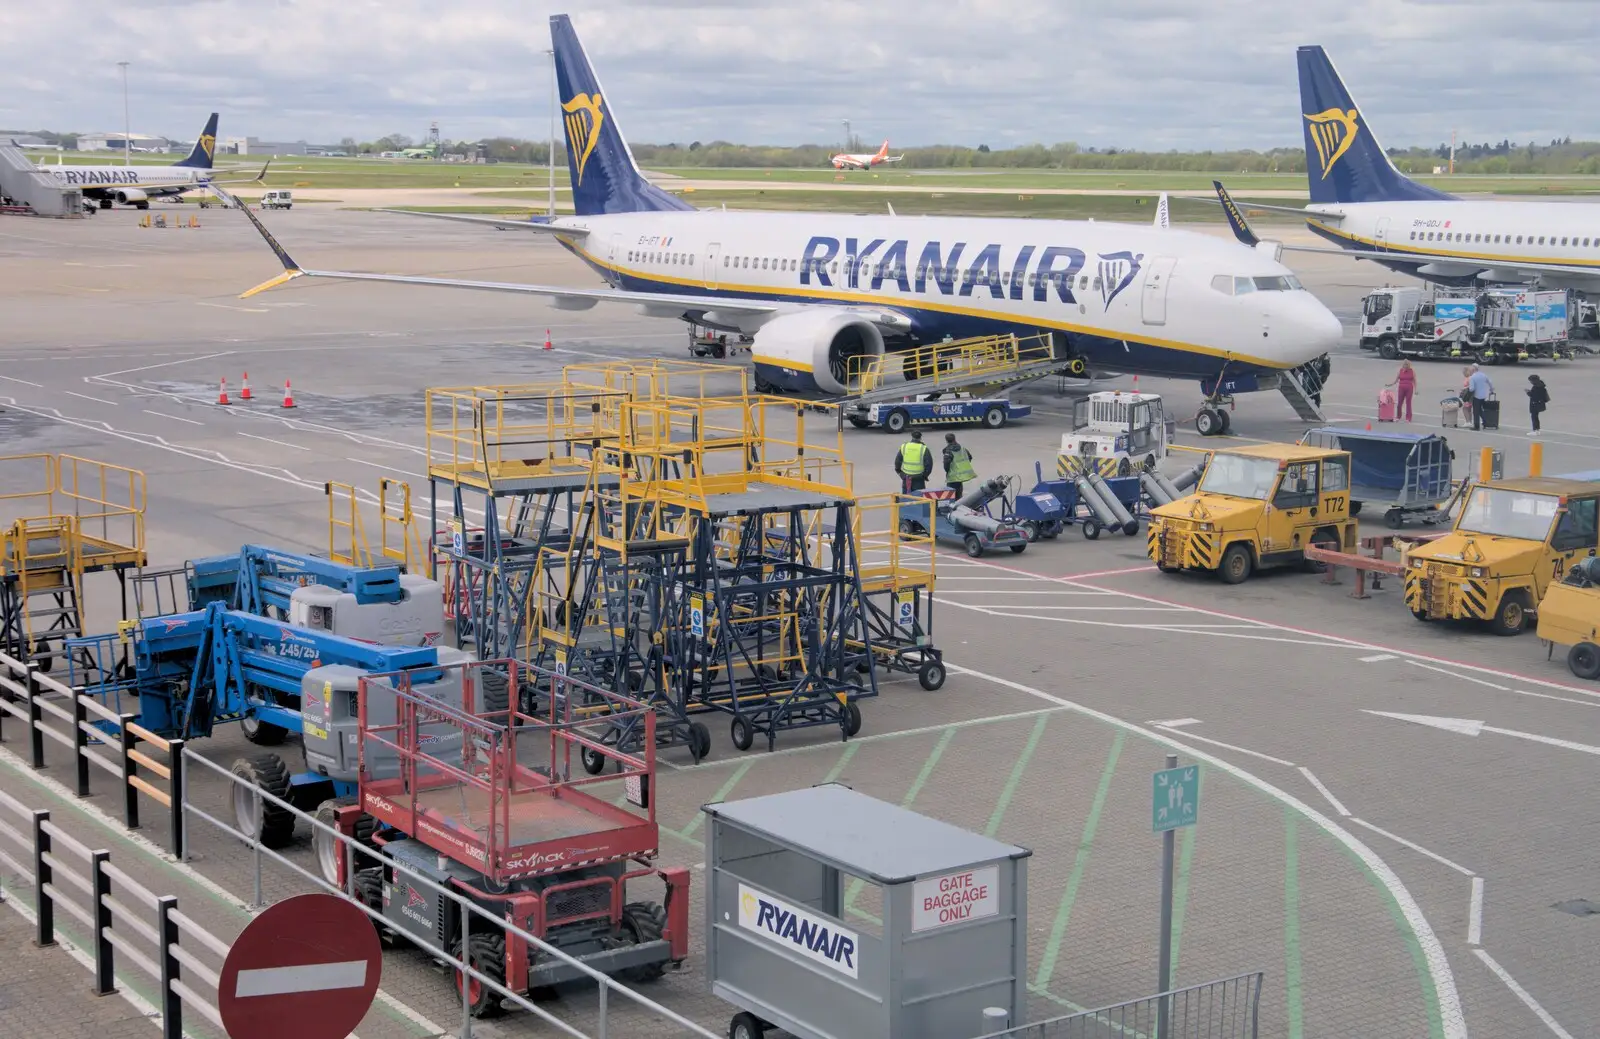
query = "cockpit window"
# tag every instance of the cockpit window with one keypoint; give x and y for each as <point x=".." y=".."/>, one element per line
<point x="1223" y="283"/>
<point x="1276" y="284"/>
<point x="1242" y="286"/>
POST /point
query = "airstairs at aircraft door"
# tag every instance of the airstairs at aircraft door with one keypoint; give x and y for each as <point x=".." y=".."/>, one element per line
<point x="1299" y="388"/>
<point x="986" y="362"/>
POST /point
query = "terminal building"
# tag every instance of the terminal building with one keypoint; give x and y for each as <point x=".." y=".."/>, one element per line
<point x="114" y="142"/>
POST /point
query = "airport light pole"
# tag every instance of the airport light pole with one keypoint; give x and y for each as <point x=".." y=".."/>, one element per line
<point x="127" y="143"/>
<point x="846" y="147"/>
<point x="555" y="101"/>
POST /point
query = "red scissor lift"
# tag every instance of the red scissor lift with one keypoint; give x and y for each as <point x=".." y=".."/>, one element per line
<point x="497" y="806"/>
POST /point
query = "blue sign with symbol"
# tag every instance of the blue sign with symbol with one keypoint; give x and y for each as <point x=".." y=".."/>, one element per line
<point x="1175" y="798"/>
<point x="697" y="616"/>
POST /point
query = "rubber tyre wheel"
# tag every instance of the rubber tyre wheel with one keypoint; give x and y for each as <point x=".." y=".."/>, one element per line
<point x="1227" y="421"/>
<point x="896" y="421"/>
<point x="1511" y="616"/>
<point x="1323" y="540"/>
<point x="1131" y="528"/>
<point x="931" y="675"/>
<point x="1236" y="565"/>
<point x="699" y="741"/>
<point x="852" y="718"/>
<point x="487" y="954"/>
<point x="1051" y="531"/>
<point x="995" y="417"/>
<point x="1030" y="528"/>
<point x="1017" y="550"/>
<point x="643" y="922"/>
<point x="325" y="846"/>
<point x="745" y="1026"/>
<point x="742" y="733"/>
<point x="593" y="761"/>
<point x="1091" y="529"/>
<point x="262" y="734"/>
<point x="1388" y="349"/>
<point x="1208" y="423"/>
<point x="1355" y="508"/>
<point x="860" y="423"/>
<point x="1584" y="660"/>
<point x="1394" y="519"/>
<point x="974" y="545"/>
<point x="275" y="828"/>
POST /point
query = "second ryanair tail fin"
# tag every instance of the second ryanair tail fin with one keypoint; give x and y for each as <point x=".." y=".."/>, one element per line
<point x="205" y="147"/>
<point x="605" y="179"/>
<point x="1344" y="161"/>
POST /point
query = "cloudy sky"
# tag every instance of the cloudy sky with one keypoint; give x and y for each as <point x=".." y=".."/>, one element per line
<point x="1130" y="73"/>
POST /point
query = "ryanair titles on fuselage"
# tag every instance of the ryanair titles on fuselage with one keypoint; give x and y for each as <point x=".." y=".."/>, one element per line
<point x="1033" y="271"/>
<point x="95" y="178"/>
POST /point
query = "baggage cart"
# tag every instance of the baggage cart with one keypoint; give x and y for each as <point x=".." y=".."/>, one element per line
<point x="1405" y="474"/>
<point x="787" y="946"/>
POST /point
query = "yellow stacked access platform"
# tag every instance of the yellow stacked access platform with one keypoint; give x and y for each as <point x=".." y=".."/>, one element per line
<point x="62" y="517"/>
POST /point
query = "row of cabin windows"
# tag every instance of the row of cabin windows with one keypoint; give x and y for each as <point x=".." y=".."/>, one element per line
<point x="1503" y="239"/>
<point x="868" y="270"/>
<point x="665" y="259"/>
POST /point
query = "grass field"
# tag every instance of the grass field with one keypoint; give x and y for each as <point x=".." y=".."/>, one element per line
<point x="1009" y="204"/>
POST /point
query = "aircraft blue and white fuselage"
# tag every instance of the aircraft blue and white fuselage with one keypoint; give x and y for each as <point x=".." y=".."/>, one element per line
<point x="1123" y="297"/>
<point x="136" y="185"/>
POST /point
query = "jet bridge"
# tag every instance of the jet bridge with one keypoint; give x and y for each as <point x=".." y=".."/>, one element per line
<point x="28" y="186"/>
<point x="985" y="363"/>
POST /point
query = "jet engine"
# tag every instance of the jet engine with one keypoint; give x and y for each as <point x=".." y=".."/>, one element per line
<point x="132" y="197"/>
<point x="811" y="350"/>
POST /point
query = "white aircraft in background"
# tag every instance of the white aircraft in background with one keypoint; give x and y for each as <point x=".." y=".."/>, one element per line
<point x="847" y="161"/>
<point x="1372" y="211"/>
<point x="818" y="289"/>
<point x="137" y="185"/>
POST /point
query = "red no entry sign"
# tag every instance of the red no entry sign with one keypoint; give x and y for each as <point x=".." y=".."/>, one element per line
<point x="307" y="967"/>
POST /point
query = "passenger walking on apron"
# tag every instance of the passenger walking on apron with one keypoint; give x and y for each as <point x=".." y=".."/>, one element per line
<point x="1482" y="389"/>
<point x="1538" y="400"/>
<point x="1405" y="384"/>
<point x="957" y="465"/>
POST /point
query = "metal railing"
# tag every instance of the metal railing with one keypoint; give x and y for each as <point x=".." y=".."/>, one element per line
<point x="125" y="922"/>
<point x="52" y="711"/>
<point x="475" y="919"/>
<point x="1225" y="1009"/>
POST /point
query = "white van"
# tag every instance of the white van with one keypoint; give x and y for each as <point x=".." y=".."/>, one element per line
<point x="277" y="200"/>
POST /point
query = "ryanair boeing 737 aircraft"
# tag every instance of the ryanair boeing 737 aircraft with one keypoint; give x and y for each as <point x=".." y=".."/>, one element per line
<point x="816" y="289"/>
<point x="137" y="185"/>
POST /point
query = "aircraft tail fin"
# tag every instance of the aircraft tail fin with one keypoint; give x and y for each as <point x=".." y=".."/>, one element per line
<point x="205" y="147"/>
<point x="605" y="179"/>
<point x="1344" y="161"/>
<point x="1163" y="216"/>
<point x="883" y="150"/>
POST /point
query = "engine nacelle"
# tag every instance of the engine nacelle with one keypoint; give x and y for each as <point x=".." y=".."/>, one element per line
<point x="811" y="350"/>
<point x="1272" y="249"/>
<point x="128" y="196"/>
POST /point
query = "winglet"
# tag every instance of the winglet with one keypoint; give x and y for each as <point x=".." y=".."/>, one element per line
<point x="1236" y="222"/>
<point x="1163" y="219"/>
<point x="263" y="174"/>
<point x="291" y="270"/>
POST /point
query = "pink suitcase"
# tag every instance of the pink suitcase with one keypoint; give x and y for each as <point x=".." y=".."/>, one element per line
<point x="1386" y="405"/>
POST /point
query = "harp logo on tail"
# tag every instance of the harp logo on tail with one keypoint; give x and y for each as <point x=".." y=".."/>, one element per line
<point x="584" y="118"/>
<point x="1333" y="132"/>
<point x="208" y="144"/>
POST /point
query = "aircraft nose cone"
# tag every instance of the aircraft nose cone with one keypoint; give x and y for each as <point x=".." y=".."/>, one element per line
<point x="1326" y="331"/>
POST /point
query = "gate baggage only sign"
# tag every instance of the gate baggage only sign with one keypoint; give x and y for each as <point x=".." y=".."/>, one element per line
<point x="955" y="898"/>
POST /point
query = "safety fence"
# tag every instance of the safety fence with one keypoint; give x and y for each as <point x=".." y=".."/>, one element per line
<point x="126" y="925"/>
<point x="52" y="711"/>
<point x="335" y="850"/>
<point x="1225" y="1009"/>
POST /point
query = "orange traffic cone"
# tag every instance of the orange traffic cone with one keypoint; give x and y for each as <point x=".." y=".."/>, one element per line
<point x="1369" y="427"/>
<point x="547" y="345"/>
<point x="222" y="394"/>
<point x="288" y="395"/>
<point x="244" y="390"/>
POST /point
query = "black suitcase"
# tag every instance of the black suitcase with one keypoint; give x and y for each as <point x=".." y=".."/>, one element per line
<point x="1491" y="412"/>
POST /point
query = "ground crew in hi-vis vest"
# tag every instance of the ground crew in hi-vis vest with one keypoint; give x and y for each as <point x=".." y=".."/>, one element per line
<point x="913" y="462"/>
<point x="957" y="465"/>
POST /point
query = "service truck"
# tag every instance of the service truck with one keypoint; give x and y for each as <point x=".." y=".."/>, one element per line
<point x="1115" y="433"/>
<point x="935" y="409"/>
<point x="1492" y="327"/>
<point x="1512" y="539"/>
<point x="1256" y="507"/>
<point x="277" y="200"/>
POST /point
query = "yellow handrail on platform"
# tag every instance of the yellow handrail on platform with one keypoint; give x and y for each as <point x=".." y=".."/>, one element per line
<point x="943" y="363"/>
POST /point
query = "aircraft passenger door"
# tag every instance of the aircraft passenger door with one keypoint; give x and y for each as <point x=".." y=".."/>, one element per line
<point x="711" y="264"/>
<point x="1381" y="235"/>
<point x="1156" y="277"/>
<point x="613" y="259"/>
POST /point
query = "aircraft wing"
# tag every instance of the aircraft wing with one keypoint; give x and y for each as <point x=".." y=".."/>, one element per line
<point x="660" y="304"/>
<point x="498" y="222"/>
<point x="1479" y="262"/>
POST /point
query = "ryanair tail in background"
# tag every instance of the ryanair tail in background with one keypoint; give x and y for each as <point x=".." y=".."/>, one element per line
<point x="1344" y="161"/>
<point x="205" y="148"/>
<point x="605" y="179"/>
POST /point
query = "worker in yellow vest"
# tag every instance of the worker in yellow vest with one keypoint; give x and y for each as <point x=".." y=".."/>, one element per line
<point x="913" y="462"/>
<point x="957" y="464"/>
